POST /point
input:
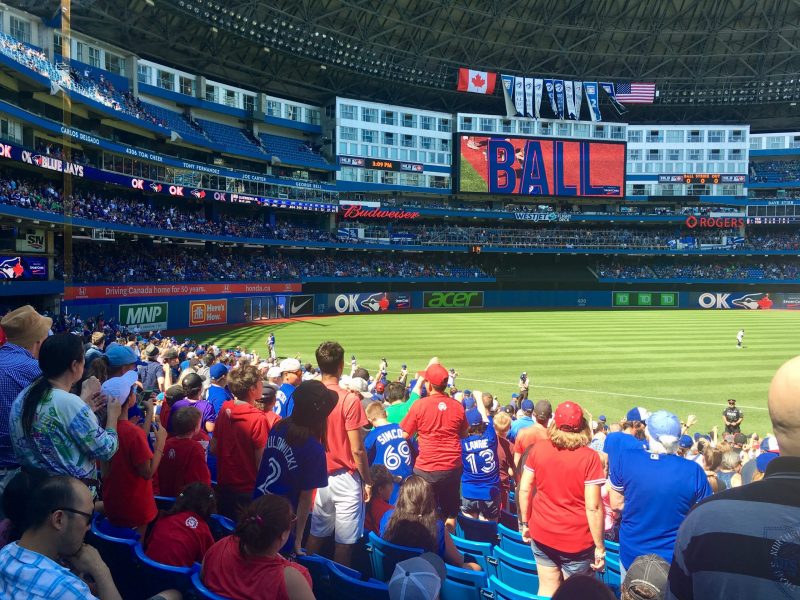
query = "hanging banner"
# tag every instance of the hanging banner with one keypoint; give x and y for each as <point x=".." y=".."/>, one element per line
<point x="570" y="95"/>
<point x="559" y="83"/>
<point x="578" y="87"/>
<point x="612" y="96"/>
<point x="538" y="84"/>
<point x="592" y="100"/>
<point x="550" y="86"/>
<point x="528" y="97"/>
<point x="519" y="95"/>
<point x="508" y="94"/>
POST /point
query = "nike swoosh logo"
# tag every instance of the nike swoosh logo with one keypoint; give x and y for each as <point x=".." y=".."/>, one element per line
<point x="298" y="307"/>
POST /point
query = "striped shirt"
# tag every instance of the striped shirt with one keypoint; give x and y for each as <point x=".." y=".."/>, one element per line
<point x="742" y="543"/>
<point x="25" y="575"/>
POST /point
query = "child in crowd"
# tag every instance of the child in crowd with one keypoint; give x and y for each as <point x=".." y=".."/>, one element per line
<point x="386" y="443"/>
<point x="382" y="489"/>
<point x="184" y="459"/>
<point x="269" y="397"/>
<point x="505" y="456"/>
<point x="182" y="537"/>
<point x="480" y="480"/>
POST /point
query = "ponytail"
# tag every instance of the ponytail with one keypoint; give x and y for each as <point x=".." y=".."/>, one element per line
<point x="39" y="391"/>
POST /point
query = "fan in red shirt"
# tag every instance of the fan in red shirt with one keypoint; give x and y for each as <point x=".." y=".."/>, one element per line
<point x="559" y="501"/>
<point x="182" y="537"/>
<point x="184" y="460"/>
<point x="439" y="423"/>
<point x="247" y="564"/>
<point x="339" y="507"/>
<point x="528" y="436"/>
<point x="239" y="438"/>
<point x="127" y="482"/>
<point x="382" y="488"/>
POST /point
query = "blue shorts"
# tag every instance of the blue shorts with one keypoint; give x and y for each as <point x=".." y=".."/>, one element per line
<point x="572" y="563"/>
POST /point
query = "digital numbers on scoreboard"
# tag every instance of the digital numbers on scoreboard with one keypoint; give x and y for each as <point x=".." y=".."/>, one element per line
<point x="380" y="163"/>
<point x="702" y="178"/>
<point x="773" y="215"/>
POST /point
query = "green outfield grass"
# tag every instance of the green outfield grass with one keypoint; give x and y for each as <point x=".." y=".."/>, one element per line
<point x="470" y="180"/>
<point x="684" y="361"/>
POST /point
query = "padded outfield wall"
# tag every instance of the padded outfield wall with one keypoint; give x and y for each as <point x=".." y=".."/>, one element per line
<point x="197" y="305"/>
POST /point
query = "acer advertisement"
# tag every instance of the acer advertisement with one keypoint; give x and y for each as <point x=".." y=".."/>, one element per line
<point x="541" y="166"/>
<point x="368" y="303"/>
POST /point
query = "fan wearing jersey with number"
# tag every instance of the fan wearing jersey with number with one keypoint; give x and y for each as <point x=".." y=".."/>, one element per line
<point x="480" y="481"/>
<point x="386" y="445"/>
<point x="294" y="464"/>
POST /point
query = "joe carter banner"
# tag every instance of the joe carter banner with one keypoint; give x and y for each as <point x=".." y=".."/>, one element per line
<point x="208" y="312"/>
<point x="177" y="289"/>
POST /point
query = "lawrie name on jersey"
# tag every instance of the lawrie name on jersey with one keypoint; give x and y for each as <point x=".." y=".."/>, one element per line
<point x="476" y="445"/>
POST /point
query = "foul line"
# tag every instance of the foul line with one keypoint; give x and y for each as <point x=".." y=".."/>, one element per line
<point x="566" y="389"/>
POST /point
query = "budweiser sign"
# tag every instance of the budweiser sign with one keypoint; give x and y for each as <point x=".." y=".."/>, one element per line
<point x="357" y="212"/>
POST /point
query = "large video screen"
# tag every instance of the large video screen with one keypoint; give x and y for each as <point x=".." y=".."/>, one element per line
<point x="541" y="166"/>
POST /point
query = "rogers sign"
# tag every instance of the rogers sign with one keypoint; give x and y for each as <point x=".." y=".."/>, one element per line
<point x="356" y="212"/>
<point x="714" y="222"/>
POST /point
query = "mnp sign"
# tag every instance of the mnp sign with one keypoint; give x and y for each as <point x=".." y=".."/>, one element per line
<point x="452" y="300"/>
<point x="152" y="315"/>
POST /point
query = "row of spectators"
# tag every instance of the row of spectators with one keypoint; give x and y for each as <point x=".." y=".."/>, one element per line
<point x="401" y="456"/>
<point x="121" y="263"/>
<point x="778" y="171"/>
<point x="773" y="271"/>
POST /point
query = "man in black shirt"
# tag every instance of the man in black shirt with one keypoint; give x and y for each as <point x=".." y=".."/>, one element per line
<point x="733" y="417"/>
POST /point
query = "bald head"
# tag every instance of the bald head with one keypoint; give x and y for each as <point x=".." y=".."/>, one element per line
<point x="784" y="407"/>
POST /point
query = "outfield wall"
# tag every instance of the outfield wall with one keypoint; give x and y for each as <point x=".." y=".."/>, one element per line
<point x="217" y="305"/>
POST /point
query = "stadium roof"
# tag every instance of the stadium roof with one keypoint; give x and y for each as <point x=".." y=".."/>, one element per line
<point x="735" y="61"/>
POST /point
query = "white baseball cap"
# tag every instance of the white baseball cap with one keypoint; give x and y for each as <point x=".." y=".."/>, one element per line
<point x="289" y="364"/>
<point x="119" y="388"/>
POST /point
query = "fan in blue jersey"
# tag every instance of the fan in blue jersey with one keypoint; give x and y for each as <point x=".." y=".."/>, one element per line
<point x="218" y="392"/>
<point x="480" y="480"/>
<point x="292" y="374"/>
<point x="294" y="464"/>
<point x="386" y="443"/>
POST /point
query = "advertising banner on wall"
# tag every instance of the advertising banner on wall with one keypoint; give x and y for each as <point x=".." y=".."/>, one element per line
<point x="32" y="240"/>
<point x="452" y="300"/>
<point x="22" y="268"/>
<point x="208" y="312"/>
<point x="368" y="303"/>
<point x="301" y="306"/>
<point x="149" y="316"/>
<point x="745" y="300"/>
<point x="644" y="299"/>
<point x="178" y="289"/>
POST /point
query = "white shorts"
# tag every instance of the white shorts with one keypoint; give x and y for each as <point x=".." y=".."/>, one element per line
<point x="339" y="509"/>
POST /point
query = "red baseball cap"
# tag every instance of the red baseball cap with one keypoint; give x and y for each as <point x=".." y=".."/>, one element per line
<point x="569" y="416"/>
<point x="436" y="375"/>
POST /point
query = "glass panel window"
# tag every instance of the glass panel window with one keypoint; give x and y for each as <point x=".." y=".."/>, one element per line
<point x="694" y="155"/>
<point x="20" y="29"/>
<point x="716" y="136"/>
<point x="292" y="112"/>
<point x="388" y="117"/>
<point x="487" y="124"/>
<point x="143" y="73"/>
<point x="166" y="80"/>
<point x="408" y="141"/>
<point x="526" y="127"/>
<point x="675" y="136"/>
<point x="114" y="64"/>
<point x="186" y="85"/>
<point x="426" y="143"/>
<point x="617" y="132"/>
<point x="409" y="120"/>
<point x="674" y="154"/>
<point x="388" y="177"/>
<point x="388" y="138"/>
<point x="94" y="57"/>
<point x="231" y="98"/>
<point x="600" y="131"/>
<point x="369" y="136"/>
<point x="347" y="111"/>
<point x="634" y="154"/>
<point x="348" y="133"/>
<point x="467" y="124"/>
<point x="635" y="136"/>
<point x="248" y="103"/>
<point x="274" y="110"/>
<point x="369" y="115"/>
<point x="445" y="125"/>
<point x="212" y="93"/>
<point x="426" y="123"/>
<point x="736" y="135"/>
<point x="654" y="135"/>
<point x="695" y="136"/>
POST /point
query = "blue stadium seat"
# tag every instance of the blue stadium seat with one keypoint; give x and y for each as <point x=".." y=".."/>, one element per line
<point x="116" y="546"/>
<point x="476" y="530"/>
<point x="473" y="551"/>
<point x="612" y="575"/>
<point x="319" y="568"/>
<point x="462" y="584"/>
<point x="512" y="502"/>
<point x="511" y="542"/>
<point x="202" y="591"/>
<point x="500" y="591"/>
<point x="164" y="502"/>
<point x="221" y="526"/>
<point x="155" y="577"/>
<point x="612" y="548"/>
<point x="383" y="556"/>
<point x="513" y="570"/>
<point x="509" y="519"/>
<point x="352" y="588"/>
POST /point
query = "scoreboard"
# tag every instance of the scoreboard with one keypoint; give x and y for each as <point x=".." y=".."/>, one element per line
<point x="380" y="163"/>
<point x="712" y="178"/>
<point x="773" y="215"/>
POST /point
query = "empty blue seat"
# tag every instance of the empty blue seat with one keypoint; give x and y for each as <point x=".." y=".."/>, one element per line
<point x="383" y="556"/>
<point x="612" y="548"/>
<point x="116" y="546"/>
<point x="462" y="584"/>
<point x="500" y="591"/>
<point x="509" y="519"/>
<point x="476" y="530"/>
<point x="612" y="575"/>
<point x="221" y="526"/>
<point x="165" y="502"/>
<point x="351" y="588"/>
<point x="202" y="591"/>
<point x="155" y="577"/>
<point x="319" y="568"/>
<point x="511" y="542"/>
<point x="513" y="570"/>
<point x="473" y="551"/>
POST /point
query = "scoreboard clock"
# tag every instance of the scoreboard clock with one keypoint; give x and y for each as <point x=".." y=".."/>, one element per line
<point x="702" y="178"/>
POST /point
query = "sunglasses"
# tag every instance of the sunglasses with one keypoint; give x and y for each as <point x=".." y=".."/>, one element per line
<point x="87" y="516"/>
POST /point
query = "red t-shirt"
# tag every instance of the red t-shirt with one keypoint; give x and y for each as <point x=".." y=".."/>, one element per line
<point x="375" y="511"/>
<point x="241" y="429"/>
<point x="558" y="511"/>
<point x="505" y="460"/>
<point x="227" y="573"/>
<point x="179" y="540"/>
<point x="528" y="437"/>
<point x="183" y="462"/>
<point x="440" y="422"/>
<point x="128" y="497"/>
<point x="272" y="418"/>
<point x="347" y="415"/>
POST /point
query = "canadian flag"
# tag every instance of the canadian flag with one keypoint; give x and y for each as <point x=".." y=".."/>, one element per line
<point x="477" y="82"/>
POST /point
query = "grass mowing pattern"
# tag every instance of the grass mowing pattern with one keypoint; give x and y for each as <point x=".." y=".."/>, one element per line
<point x="608" y="361"/>
<point x="469" y="180"/>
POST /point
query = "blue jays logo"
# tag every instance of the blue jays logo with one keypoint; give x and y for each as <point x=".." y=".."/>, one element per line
<point x="11" y="268"/>
<point x="375" y="303"/>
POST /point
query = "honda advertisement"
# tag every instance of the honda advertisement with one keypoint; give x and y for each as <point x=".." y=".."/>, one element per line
<point x="745" y="300"/>
<point x="368" y="303"/>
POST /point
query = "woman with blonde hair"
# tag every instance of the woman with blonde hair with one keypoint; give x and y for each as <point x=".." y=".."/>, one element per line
<point x="560" y="501"/>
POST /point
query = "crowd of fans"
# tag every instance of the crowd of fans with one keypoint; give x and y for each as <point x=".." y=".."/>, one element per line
<point x="690" y="271"/>
<point x="778" y="171"/>
<point x="402" y="454"/>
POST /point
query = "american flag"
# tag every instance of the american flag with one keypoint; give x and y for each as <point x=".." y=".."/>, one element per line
<point x="635" y="93"/>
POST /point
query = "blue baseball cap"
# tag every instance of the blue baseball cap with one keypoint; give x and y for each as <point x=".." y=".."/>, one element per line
<point x="119" y="356"/>
<point x="469" y="403"/>
<point x="218" y="370"/>
<point x="663" y="423"/>
<point x="769" y="444"/>
<point x="637" y="413"/>
<point x="763" y="459"/>
<point x="602" y="418"/>
<point x="467" y="393"/>
<point x="686" y="441"/>
<point x="474" y="417"/>
<point x="698" y="435"/>
<point x="527" y="405"/>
